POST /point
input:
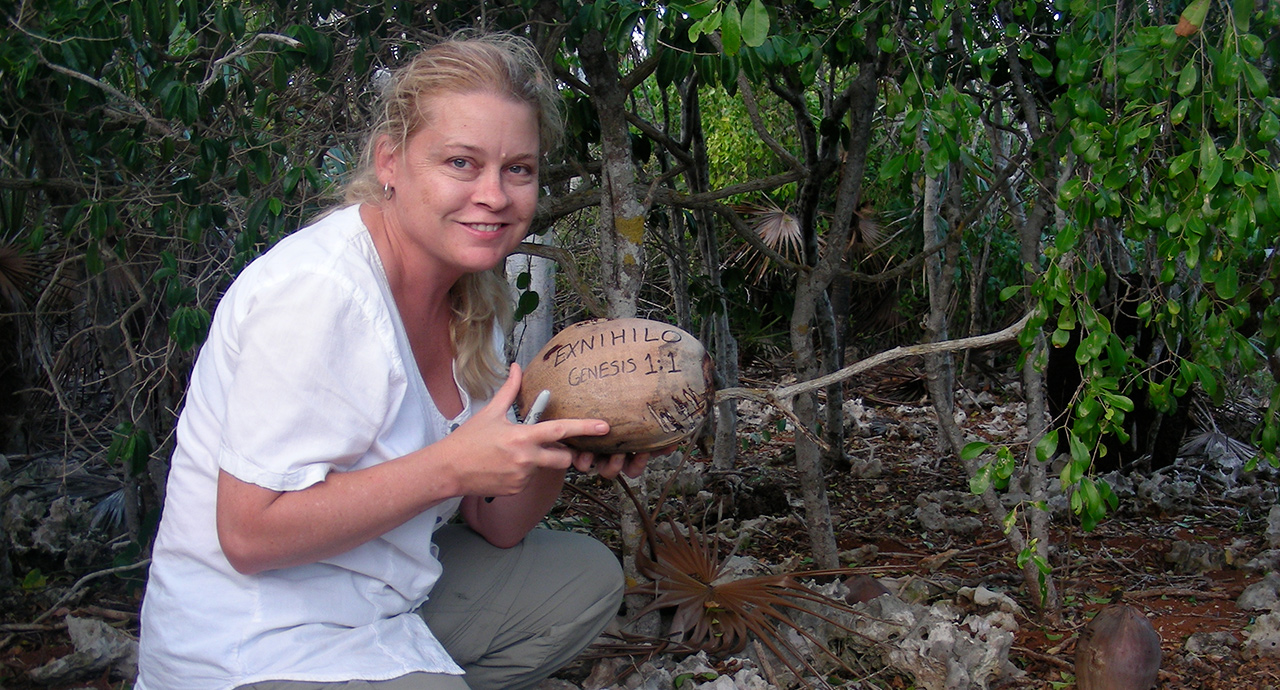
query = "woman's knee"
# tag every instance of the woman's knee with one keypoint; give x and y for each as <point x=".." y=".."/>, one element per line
<point x="584" y="559"/>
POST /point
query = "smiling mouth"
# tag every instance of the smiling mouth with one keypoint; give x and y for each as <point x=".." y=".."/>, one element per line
<point x="486" y="227"/>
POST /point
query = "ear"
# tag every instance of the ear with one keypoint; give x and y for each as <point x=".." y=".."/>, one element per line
<point x="386" y="160"/>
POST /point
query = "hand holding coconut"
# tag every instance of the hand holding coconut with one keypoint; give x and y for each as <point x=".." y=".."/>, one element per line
<point x="502" y="457"/>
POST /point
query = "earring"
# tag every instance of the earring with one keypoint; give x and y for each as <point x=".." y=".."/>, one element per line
<point x="388" y="191"/>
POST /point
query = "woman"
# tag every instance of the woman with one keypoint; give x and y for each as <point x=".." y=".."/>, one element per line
<point x="336" y="421"/>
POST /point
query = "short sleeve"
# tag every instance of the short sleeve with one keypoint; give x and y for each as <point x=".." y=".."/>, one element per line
<point x="314" y="378"/>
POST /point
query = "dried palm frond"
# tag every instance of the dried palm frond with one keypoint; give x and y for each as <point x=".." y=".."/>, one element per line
<point x="867" y="234"/>
<point x="25" y="275"/>
<point x="718" y="614"/>
<point x="778" y="229"/>
<point x="17" y="275"/>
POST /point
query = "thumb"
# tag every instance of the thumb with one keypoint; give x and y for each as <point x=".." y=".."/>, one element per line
<point x="505" y="396"/>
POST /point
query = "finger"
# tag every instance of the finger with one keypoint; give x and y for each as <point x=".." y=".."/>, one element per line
<point x="610" y="466"/>
<point x="557" y="430"/>
<point x="584" y="462"/>
<point x="636" y="464"/>
<point x="505" y="396"/>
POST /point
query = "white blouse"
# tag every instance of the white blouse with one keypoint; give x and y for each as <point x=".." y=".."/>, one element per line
<point x="307" y="370"/>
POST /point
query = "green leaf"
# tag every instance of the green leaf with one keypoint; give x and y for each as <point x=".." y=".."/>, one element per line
<point x="973" y="450"/>
<point x="1179" y="112"/>
<point x="1242" y="12"/>
<point x="1070" y="190"/>
<point x="1268" y="127"/>
<point x="1047" y="446"/>
<point x="698" y="10"/>
<point x="1140" y="77"/>
<point x="1210" y="162"/>
<point x="1195" y="12"/>
<point x="731" y="29"/>
<point x="1273" y="193"/>
<point x="1187" y="80"/>
<point x="1041" y="65"/>
<point x="755" y="24"/>
<point x="1060" y="337"/>
<point x="1010" y="519"/>
<point x="291" y="180"/>
<point x="527" y="304"/>
<point x="189" y="326"/>
<point x="1255" y="80"/>
<point x="1180" y="163"/>
<point x="1120" y="402"/>
<point x="1228" y="282"/>
<point x="979" y="482"/>
<point x="892" y="167"/>
<point x="1079" y="453"/>
<point x="34" y="580"/>
<point x="131" y="447"/>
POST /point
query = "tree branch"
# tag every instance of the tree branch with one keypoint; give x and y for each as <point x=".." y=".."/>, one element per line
<point x="566" y="262"/>
<point x="152" y="122"/>
<point x="781" y="396"/>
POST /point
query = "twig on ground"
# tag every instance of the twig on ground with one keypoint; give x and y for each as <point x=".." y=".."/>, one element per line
<point x="1047" y="658"/>
<point x="75" y="589"/>
<point x="1175" y="592"/>
<point x="30" y="627"/>
<point x="764" y="664"/>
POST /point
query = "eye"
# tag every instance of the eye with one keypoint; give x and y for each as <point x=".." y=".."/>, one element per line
<point x="521" y="169"/>
<point x="459" y="163"/>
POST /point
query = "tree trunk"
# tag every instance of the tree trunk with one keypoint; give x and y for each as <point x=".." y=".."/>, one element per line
<point x="622" y="229"/>
<point x="536" y="328"/>
<point x="621" y="212"/>
<point x="725" y="346"/>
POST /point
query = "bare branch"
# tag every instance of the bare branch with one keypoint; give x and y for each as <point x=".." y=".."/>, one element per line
<point x="570" y="268"/>
<point x="153" y="122"/>
<point x="780" y="397"/>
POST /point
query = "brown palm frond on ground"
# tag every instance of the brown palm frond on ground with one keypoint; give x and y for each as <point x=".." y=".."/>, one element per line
<point x="719" y="615"/>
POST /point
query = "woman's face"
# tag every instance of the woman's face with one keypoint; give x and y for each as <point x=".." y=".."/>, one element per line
<point x="466" y="183"/>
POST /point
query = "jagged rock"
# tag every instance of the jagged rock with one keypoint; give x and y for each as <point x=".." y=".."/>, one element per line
<point x="981" y="596"/>
<point x="1214" y="644"/>
<point x="750" y="679"/>
<point x="98" y="647"/>
<point x="1263" y="562"/>
<point x="1196" y="557"/>
<point x="1118" y="650"/>
<point x="932" y="519"/>
<point x="919" y="591"/>
<point x="1171" y="496"/>
<point x="863" y="588"/>
<point x="1263" y="639"/>
<point x="1273" y="527"/>
<point x="1263" y="595"/>
<point x="869" y="468"/>
<point x="739" y="567"/>
<point x="928" y="644"/>
<point x="860" y="555"/>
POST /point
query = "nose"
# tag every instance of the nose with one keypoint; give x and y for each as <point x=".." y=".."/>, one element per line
<point x="491" y="190"/>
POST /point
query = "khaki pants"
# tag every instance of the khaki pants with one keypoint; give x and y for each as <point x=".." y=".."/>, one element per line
<point x="509" y="617"/>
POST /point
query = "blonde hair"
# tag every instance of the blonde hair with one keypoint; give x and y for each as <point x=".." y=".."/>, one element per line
<point x="501" y="64"/>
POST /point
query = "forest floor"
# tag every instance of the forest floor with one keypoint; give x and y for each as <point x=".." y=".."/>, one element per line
<point x="1126" y="558"/>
